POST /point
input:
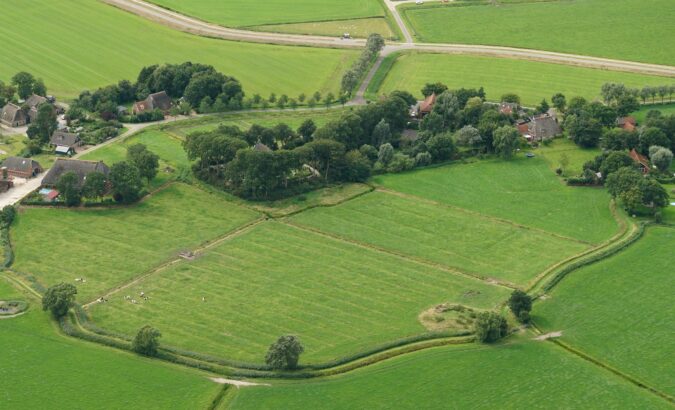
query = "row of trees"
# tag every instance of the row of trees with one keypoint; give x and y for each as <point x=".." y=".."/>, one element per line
<point x="616" y="91"/>
<point x="351" y="78"/>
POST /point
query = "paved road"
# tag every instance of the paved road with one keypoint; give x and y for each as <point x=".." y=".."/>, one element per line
<point x="195" y="26"/>
<point x="19" y="191"/>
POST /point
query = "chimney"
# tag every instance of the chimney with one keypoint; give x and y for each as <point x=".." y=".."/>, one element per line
<point x="4" y="173"/>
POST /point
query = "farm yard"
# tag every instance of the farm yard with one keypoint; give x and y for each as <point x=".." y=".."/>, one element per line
<point x="590" y="27"/>
<point x="531" y="80"/>
<point x="419" y="219"/>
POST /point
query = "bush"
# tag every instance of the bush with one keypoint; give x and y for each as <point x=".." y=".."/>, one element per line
<point x="284" y="353"/>
<point x="423" y="159"/>
<point x="490" y="327"/>
<point x="400" y="163"/>
<point x="146" y="341"/>
<point x="59" y="298"/>
<point x="520" y="304"/>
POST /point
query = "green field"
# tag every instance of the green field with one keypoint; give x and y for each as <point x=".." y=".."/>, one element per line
<point x="241" y="13"/>
<point x="625" y="30"/>
<point x="525" y="191"/>
<point x="42" y="368"/>
<point x="666" y="109"/>
<point x="620" y="310"/>
<point x="111" y="246"/>
<point x="560" y="147"/>
<point x="515" y="376"/>
<point x="470" y="242"/>
<point x="532" y="81"/>
<point x="100" y="45"/>
<point x="358" y="28"/>
<point x="337" y="297"/>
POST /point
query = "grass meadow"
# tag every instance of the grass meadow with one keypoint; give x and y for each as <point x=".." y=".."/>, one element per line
<point x="108" y="247"/>
<point x="470" y="242"/>
<point x="242" y="13"/>
<point x="525" y="191"/>
<point x="620" y="310"/>
<point x="666" y="109"/>
<point x="559" y="148"/>
<point x="339" y="298"/>
<point x="43" y="368"/>
<point x="532" y="81"/>
<point x="606" y="28"/>
<point x="517" y="375"/>
<point x="357" y="28"/>
<point x="101" y="44"/>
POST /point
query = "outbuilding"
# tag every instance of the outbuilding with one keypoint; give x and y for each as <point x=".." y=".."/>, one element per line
<point x="22" y="167"/>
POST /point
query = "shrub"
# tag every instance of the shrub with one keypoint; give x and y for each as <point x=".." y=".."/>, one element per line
<point x="59" y="298"/>
<point x="520" y="304"/>
<point x="490" y="327"/>
<point x="284" y="354"/>
<point x="146" y="341"/>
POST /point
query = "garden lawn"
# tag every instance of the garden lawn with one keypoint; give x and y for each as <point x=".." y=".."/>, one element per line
<point x="620" y="310"/>
<point x="532" y="81"/>
<point x="666" y="109"/>
<point x="522" y="375"/>
<point x="339" y="298"/>
<point x="470" y="242"/>
<point x="560" y="148"/>
<point x="358" y="28"/>
<point x="166" y="146"/>
<point x="41" y="366"/>
<point x="101" y="44"/>
<point x="525" y="191"/>
<point x="111" y="246"/>
<point x="238" y="13"/>
<point x="626" y="30"/>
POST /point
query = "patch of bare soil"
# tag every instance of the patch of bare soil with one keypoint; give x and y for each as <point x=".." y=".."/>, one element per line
<point x="547" y="336"/>
<point x="448" y="316"/>
<point x="238" y="383"/>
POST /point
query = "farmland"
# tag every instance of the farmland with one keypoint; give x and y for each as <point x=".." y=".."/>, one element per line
<point x="525" y="191"/>
<point x="277" y="279"/>
<point x="82" y="375"/>
<point x="532" y="81"/>
<point x="520" y="375"/>
<point x="618" y="30"/>
<point x="68" y="67"/>
<point x="618" y="310"/>
<point x="242" y="13"/>
<point x="358" y="28"/>
<point x="111" y="246"/>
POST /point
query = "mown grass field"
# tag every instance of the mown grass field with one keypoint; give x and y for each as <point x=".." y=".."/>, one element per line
<point x="561" y="148"/>
<point x="357" y="28"/>
<point x="42" y="368"/>
<point x="620" y="310"/>
<point x="520" y="375"/>
<point x="532" y="81"/>
<point x="241" y="13"/>
<point x="337" y="297"/>
<point x="111" y="246"/>
<point x="473" y="243"/>
<point x="606" y="28"/>
<point x="666" y="109"/>
<point x="525" y="191"/>
<point x="100" y="45"/>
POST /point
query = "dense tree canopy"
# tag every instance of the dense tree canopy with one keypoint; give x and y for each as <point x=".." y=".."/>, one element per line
<point x="284" y="354"/>
<point x="59" y="298"/>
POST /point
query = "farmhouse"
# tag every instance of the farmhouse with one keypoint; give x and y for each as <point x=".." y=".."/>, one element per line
<point x="79" y="167"/>
<point x="35" y="100"/>
<point x="65" y="143"/>
<point x="424" y="107"/>
<point x="640" y="161"/>
<point x="13" y="116"/>
<point x="156" y="101"/>
<point x="21" y="167"/>
<point x="627" y="123"/>
<point x="542" y="127"/>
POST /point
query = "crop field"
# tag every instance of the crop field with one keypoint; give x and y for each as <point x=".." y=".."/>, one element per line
<point x="82" y="375"/>
<point x="532" y="81"/>
<point x="620" y="310"/>
<point x="604" y="28"/>
<point x="520" y="375"/>
<point x="470" y="242"/>
<point x="111" y="246"/>
<point x="525" y="191"/>
<point x="358" y="28"/>
<point x="113" y="45"/>
<point x="339" y="298"/>
<point x="242" y="13"/>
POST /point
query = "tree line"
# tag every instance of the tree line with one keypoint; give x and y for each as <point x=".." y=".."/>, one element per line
<point x="351" y="78"/>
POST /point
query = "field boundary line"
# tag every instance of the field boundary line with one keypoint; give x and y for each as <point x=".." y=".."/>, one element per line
<point x="393" y="192"/>
<point x="173" y="261"/>
<point x="410" y="258"/>
<point x="18" y="282"/>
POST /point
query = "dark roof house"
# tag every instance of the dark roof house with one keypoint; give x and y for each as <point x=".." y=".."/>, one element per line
<point x="13" y="116"/>
<point x="79" y="167"/>
<point x="65" y="142"/>
<point x="21" y="167"/>
<point x="35" y="100"/>
<point x="156" y="101"/>
<point x="543" y="127"/>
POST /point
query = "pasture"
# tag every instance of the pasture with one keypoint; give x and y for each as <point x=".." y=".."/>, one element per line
<point x="108" y="247"/>
<point x="357" y="28"/>
<point x="532" y="81"/>
<point x="243" y="13"/>
<point x="43" y="368"/>
<point x="234" y="300"/>
<point x="470" y="242"/>
<point x="523" y="374"/>
<point x="525" y="191"/>
<point x="605" y="28"/>
<point x="113" y="45"/>
<point x="620" y="310"/>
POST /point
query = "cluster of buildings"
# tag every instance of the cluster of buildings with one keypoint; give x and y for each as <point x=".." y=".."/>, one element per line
<point x="13" y="115"/>
<point x="157" y="101"/>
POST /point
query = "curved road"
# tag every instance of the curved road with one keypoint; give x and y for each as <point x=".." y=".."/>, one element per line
<point x="198" y="27"/>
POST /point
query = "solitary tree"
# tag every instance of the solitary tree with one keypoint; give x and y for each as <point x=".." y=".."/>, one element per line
<point x="490" y="327"/>
<point x="520" y="304"/>
<point x="559" y="102"/>
<point x="146" y="341"/>
<point x="59" y="298"/>
<point x="284" y="353"/>
<point x="69" y="189"/>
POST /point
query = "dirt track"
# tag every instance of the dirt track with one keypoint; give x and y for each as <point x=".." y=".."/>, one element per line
<point x="198" y="27"/>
